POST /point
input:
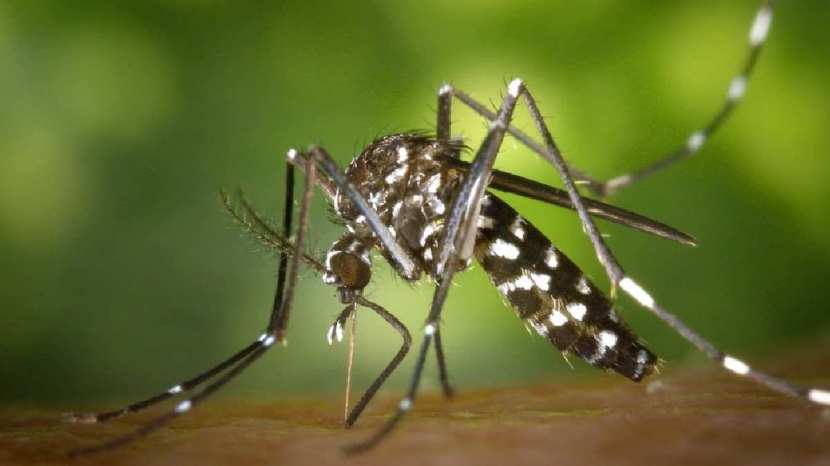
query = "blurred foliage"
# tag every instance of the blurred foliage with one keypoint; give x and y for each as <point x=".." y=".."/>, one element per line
<point x="120" y="121"/>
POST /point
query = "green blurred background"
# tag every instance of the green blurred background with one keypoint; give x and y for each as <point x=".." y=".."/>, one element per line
<point x="120" y="121"/>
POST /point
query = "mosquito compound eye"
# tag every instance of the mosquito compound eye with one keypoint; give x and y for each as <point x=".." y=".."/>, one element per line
<point x="353" y="274"/>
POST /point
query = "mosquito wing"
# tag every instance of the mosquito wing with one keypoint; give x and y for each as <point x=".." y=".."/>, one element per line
<point x="515" y="184"/>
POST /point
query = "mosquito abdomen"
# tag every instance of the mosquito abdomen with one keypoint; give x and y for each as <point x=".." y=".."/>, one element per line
<point x="552" y="295"/>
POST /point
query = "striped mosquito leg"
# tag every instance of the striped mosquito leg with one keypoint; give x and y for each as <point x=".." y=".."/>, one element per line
<point x="259" y="347"/>
<point x="737" y="88"/>
<point x="444" y="133"/>
<point x="730" y="363"/>
<point x="262" y="344"/>
<point x="175" y="390"/>
<point x="460" y="231"/>
<point x="554" y="157"/>
<point x="278" y="319"/>
<point x="190" y="384"/>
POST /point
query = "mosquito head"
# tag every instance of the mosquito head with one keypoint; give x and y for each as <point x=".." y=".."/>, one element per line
<point x="348" y="267"/>
<point x="352" y="275"/>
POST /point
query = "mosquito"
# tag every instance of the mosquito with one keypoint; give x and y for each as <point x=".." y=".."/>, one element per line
<point x="428" y="213"/>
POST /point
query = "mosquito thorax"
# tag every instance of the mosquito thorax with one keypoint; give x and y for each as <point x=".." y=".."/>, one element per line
<point x="391" y="168"/>
<point x="404" y="180"/>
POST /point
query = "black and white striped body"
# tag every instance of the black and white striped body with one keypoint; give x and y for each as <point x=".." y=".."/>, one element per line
<point x="405" y="181"/>
<point x="550" y="293"/>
